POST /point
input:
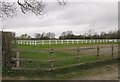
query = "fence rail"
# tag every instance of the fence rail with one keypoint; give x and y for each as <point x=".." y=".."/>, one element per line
<point x="49" y="42"/>
<point x="51" y="60"/>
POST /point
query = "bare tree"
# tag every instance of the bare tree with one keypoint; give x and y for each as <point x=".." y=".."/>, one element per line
<point x="25" y="36"/>
<point x="42" y="35"/>
<point x="67" y="33"/>
<point x="37" y="35"/>
<point x="85" y="34"/>
<point x="7" y="9"/>
<point x="50" y="35"/>
<point x="90" y="32"/>
<point x="102" y="33"/>
<point x="36" y="7"/>
<point x="61" y="2"/>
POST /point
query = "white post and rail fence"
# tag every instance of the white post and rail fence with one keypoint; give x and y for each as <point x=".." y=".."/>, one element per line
<point x="49" y="42"/>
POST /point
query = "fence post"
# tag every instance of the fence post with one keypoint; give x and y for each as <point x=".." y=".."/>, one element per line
<point x="26" y="42"/>
<point x="52" y="58"/>
<point x="30" y="42"/>
<point x="49" y="42"/>
<point x="56" y="42"/>
<point x="86" y="41"/>
<point x="67" y="41"/>
<point x="90" y="41"/>
<point x="78" y="54"/>
<point x="42" y="42"/>
<point x="61" y="41"/>
<point x="23" y="42"/>
<point x="94" y="41"/>
<point x="112" y="51"/>
<point x="18" y="59"/>
<point x="77" y="41"/>
<point x="20" y="41"/>
<point x="35" y="43"/>
<point x="98" y="52"/>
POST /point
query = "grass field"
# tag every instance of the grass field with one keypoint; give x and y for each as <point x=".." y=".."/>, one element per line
<point x="61" y="56"/>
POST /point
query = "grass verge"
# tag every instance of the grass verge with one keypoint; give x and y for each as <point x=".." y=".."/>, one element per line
<point x="61" y="74"/>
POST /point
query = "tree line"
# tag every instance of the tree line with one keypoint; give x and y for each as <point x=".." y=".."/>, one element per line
<point x="70" y="35"/>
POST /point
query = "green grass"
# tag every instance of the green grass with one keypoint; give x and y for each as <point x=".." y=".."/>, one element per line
<point x="58" y="46"/>
<point x="38" y="47"/>
<point x="59" y="74"/>
<point x="62" y="58"/>
<point x="41" y="59"/>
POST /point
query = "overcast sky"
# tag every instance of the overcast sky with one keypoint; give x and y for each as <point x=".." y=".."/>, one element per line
<point x="78" y="17"/>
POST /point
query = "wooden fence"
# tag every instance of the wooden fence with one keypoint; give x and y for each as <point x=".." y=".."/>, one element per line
<point x="43" y="42"/>
<point x="1" y="56"/>
<point x="8" y="42"/>
<point x="52" y="54"/>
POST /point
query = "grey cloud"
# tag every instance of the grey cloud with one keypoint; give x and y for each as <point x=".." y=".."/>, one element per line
<point x="74" y="16"/>
<point x="92" y="13"/>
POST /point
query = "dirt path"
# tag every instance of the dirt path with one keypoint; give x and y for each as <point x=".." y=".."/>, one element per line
<point x="108" y="72"/>
<point x="105" y="73"/>
<point x="108" y="76"/>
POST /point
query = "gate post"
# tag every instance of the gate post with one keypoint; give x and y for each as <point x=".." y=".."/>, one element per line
<point x="8" y="42"/>
<point x="98" y="52"/>
<point x="112" y="51"/>
<point x="52" y="59"/>
<point x="18" y="59"/>
<point x="0" y="56"/>
<point x="78" y="54"/>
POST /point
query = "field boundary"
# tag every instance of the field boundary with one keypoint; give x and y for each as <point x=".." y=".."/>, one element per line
<point x="50" y="42"/>
<point x="52" y="59"/>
